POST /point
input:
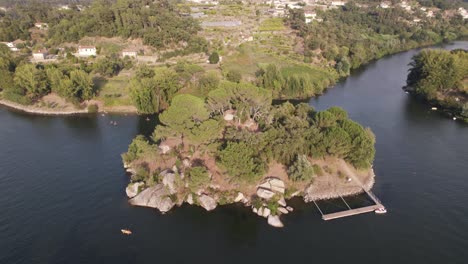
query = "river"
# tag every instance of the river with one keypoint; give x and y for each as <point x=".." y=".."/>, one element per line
<point x="62" y="197"/>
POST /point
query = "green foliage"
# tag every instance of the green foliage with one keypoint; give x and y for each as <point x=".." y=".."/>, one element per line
<point x="249" y="101"/>
<point x="110" y="66"/>
<point x="234" y="76"/>
<point x="241" y="161"/>
<point x="32" y="80"/>
<point x="301" y="169"/>
<point x="185" y="113"/>
<point x="352" y="36"/>
<point x="214" y="58"/>
<point x="297" y="81"/>
<point x="82" y="85"/>
<point x="198" y="178"/>
<point x="338" y="112"/>
<point x="136" y="149"/>
<point x="440" y="76"/>
<point x="208" y="82"/>
<point x="160" y="25"/>
<point x="152" y="91"/>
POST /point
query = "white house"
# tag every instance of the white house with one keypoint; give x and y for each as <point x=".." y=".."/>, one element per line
<point x="11" y="45"/>
<point x="462" y="11"/>
<point x="40" y="54"/>
<point x="385" y="5"/>
<point x="309" y="16"/>
<point x="86" y="51"/>
<point x="338" y="3"/>
<point x="40" y="25"/>
<point x="129" y="53"/>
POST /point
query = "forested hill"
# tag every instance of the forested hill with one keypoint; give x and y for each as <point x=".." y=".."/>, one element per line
<point x="158" y="23"/>
<point x="441" y="77"/>
<point x="351" y="35"/>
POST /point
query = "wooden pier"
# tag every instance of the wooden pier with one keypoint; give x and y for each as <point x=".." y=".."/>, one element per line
<point x="353" y="211"/>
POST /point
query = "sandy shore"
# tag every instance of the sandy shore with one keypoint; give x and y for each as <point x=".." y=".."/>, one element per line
<point x="40" y="111"/>
<point x="31" y="109"/>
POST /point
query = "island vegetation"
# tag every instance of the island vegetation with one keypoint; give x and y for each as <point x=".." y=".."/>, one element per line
<point x="232" y="145"/>
<point x="441" y="78"/>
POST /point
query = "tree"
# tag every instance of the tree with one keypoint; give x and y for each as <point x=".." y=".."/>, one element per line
<point x="219" y="100"/>
<point x="301" y="169"/>
<point x="81" y="84"/>
<point x="324" y="119"/>
<point x="214" y="58"/>
<point x="241" y="161"/>
<point x="154" y="91"/>
<point x="207" y="82"/>
<point x="198" y="177"/>
<point x="31" y="79"/>
<point x="186" y="111"/>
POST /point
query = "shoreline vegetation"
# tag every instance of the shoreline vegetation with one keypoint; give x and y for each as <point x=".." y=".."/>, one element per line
<point x="440" y="78"/>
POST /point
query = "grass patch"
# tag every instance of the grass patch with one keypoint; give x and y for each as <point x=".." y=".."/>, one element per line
<point x="272" y="24"/>
<point x="114" y="91"/>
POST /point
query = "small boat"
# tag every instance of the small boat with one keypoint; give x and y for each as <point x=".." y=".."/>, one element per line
<point x="380" y="210"/>
<point x="147" y="119"/>
<point x="454" y="118"/>
<point x="406" y="92"/>
<point x="434" y="108"/>
<point x="126" y="231"/>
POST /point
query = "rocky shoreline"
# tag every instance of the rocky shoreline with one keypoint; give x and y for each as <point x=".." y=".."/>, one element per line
<point x="269" y="200"/>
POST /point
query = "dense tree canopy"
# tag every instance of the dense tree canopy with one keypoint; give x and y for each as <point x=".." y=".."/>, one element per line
<point x="441" y="76"/>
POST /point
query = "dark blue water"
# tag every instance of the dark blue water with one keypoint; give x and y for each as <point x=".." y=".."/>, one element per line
<point x="62" y="196"/>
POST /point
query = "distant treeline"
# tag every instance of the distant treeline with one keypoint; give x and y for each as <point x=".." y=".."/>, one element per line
<point x="158" y="23"/>
<point x="351" y="36"/>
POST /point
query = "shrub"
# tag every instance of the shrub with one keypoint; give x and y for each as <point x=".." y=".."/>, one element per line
<point x="214" y="58"/>
<point x="234" y="76"/>
<point x="198" y="177"/>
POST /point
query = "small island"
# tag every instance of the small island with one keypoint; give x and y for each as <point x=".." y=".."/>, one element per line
<point x="235" y="146"/>
<point x="440" y="77"/>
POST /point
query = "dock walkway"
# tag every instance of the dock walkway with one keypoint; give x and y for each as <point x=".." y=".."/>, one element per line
<point x="355" y="211"/>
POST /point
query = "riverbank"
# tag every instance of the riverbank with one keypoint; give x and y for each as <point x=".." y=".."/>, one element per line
<point x="68" y="110"/>
<point x="31" y="109"/>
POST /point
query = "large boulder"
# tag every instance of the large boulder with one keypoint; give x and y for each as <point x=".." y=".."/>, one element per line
<point x="283" y="210"/>
<point x="266" y="212"/>
<point x="207" y="202"/>
<point x="154" y="197"/>
<point x="282" y="202"/>
<point x="275" y="221"/>
<point x="264" y="193"/>
<point x="133" y="189"/>
<point x="164" y="148"/>
<point x="190" y="199"/>
<point x="168" y="180"/>
<point x="228" y="116"/>
<point x="269" y="187"/>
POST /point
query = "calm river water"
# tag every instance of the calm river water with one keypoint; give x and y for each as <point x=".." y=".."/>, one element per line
<point x="62" y="196"/>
